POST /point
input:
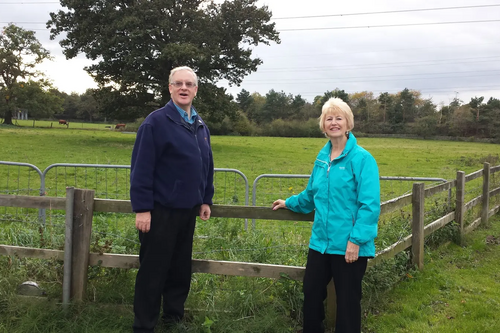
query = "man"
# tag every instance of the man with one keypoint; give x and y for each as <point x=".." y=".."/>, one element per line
<point x="171" y="182"/>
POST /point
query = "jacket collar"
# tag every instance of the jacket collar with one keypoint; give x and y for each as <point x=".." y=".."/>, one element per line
<point x="172" y="113"/>
<point x="324" y="153"/>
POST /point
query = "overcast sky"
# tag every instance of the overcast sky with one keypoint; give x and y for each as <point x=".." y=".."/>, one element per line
<point x="375" y="46"/>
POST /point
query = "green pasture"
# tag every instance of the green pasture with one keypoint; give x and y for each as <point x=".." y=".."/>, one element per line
<point x="54" y="124"/>
<point x="216" y="303"/>
<point x="251" y="155"/>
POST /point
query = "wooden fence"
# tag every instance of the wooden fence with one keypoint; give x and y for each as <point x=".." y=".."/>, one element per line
<point x="84" y="204"/>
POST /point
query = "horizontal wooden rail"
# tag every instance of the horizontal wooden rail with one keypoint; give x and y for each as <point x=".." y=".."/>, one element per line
<point x="112" y="206"/>
<point x="233" y="268"/>
<point x="473" y="225"/>
<point x="474" y="202"/>
<point x="439" y="188"/>
<point x="494" y="192"/>
<point x="438" y="224"/>
<point x="27" y="201"/>
<point x="473" y="175"/>
<point x="395" y="204"/>
<point x="30" y="252"/>
<point x="391" y="251"/>
<point x="495" y="169"/>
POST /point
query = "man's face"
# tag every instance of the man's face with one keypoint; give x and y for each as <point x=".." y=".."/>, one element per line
<point x="183" y="94"/>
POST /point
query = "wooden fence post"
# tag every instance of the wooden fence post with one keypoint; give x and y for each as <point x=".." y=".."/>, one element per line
<point x="417" y="248"/>
<point x="331" y="305"/>
<point x="82" y="228"/>
<point x="486" y="193"/>
<point x="459" y="205"/>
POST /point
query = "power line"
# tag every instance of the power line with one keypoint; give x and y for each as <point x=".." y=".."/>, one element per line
<point x="371" y="51"/>
<point x="463" y="89"/>
<point x="30" y="3"/>
<point x="388" y="25"/>
<point x="346" y="80"/>
<point x="377" y="76"/>
<point x="383" y="65"/>
<point x="383" y="12"/>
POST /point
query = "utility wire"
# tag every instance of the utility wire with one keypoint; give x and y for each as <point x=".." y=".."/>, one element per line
<point x="373" y="26"/>
<point x="388" y="25"/>
<point x="371" y="51"/>
<point x="384" y="64"/>
<point x="377" y="76"/>
<point x="383" y="12"/>
<point x="30" y="3"/>
<point x="462" y="89"/>
<point x="347" y="79"/>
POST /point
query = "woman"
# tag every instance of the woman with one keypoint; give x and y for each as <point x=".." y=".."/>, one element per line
<point x="344" y="191"/>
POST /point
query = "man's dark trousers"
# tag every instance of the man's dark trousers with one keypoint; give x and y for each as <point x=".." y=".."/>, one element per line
<point x="320" y="270"/>
<point x="165" y="267"/>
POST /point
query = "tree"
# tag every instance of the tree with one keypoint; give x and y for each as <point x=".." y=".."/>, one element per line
<point x="255" y="109"/>
<point x="296" y="105"/>
<point x="136" y="43"/>
<point x="244" y="100"/>
<point x="277" y="106"/>
<point x="385" y="100"/>
<point x="20" y="53"/>
<point x="37" y="97"/>
<point x="320" y="100"/>
<point x="88" y="108"/>
<point x="407" y="101"/>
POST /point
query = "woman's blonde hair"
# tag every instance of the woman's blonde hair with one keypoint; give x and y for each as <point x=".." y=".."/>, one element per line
<point x="338" y="107"/>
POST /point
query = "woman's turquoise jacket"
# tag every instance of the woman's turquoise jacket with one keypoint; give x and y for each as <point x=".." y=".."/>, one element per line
<point x="345" y="194"/>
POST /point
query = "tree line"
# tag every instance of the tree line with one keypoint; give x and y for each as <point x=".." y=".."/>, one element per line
<point x="134" y="45"/>
<point x="405" y="112"/>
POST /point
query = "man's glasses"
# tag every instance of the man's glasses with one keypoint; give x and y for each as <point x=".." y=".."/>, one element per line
<point x="179" y="84"/>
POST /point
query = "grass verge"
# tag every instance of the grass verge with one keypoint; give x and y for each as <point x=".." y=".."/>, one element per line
<point x="457" y="291"/>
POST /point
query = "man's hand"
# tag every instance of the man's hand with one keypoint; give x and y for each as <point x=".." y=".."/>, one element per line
<point x="143" y="221"/>
<point x="351" y="253"/>
<point x="279" y="204"/>
<point x="205" y="212"/>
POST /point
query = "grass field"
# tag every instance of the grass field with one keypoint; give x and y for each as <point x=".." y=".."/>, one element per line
<point x="251" y="155"/>
<point x="221" y="303"/>
<point x="54" y="124"/>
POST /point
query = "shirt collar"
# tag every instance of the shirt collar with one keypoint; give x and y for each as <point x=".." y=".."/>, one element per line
<point x="184" y="114"/>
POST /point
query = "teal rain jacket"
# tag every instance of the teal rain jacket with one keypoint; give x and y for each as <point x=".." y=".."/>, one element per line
<point x="345" y="194"/>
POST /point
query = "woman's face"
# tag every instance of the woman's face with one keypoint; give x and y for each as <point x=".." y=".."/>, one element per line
<point x="335" y="125"/>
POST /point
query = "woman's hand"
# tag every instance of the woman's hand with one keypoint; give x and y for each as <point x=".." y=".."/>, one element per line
<point x="351" y="253"/>
<point x="279" y="204"/>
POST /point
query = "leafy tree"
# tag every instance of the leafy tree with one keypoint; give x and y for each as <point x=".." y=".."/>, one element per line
<point x="462" y="122"/>
<point x="38" y="98"/>
<point x="277" y="106"/>
<point x="407" y="101"/>
<point x="320" y="100"/>
<point x="88" y="108"/>
<point x="385" y="100"/>
<point x="244" y="99"/>
<point x="135" y="44"/>
<point x="20" y="52"/>
<point x="296" y="105"/>
<point x="255" y="109"/>
<point x="71" y="104"/>
<point x="427" y="109"/>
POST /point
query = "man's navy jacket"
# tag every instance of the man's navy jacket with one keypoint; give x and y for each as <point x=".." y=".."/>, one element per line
<point x="172" y="162"/>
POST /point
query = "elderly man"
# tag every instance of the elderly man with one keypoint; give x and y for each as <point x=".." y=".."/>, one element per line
<point x="171" y="182"/>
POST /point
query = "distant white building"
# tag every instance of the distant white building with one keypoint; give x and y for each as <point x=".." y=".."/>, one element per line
<point x="21" y="115"/>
